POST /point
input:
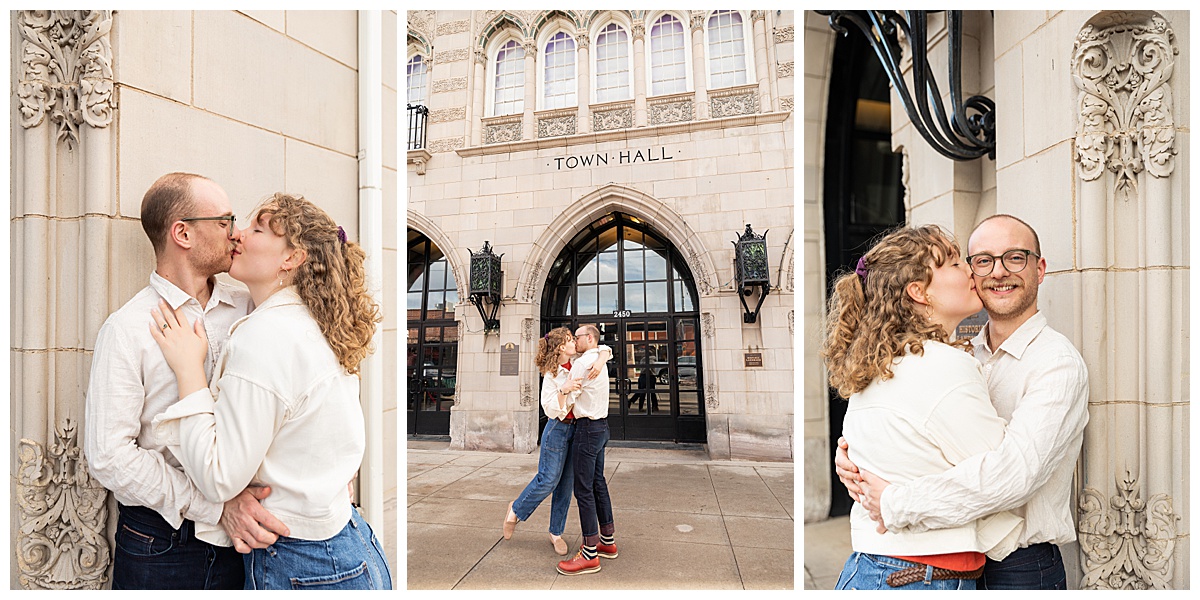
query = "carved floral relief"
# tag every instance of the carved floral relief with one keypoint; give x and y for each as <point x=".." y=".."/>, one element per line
<point x="1122" y="64"/>
<point x="1128" y="542"/>
<point x="66" y="60"/>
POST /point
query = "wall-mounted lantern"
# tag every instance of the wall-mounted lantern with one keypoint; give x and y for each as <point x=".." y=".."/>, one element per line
<point x="486" y="279"/>
<point x="753" y="271"/>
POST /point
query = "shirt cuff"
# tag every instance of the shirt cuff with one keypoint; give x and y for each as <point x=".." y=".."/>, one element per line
<point x="166" y="424"/>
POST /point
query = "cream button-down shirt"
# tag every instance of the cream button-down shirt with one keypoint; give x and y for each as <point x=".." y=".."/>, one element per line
<point x="1039" y="384"/>
<point x="131" y="383"/>
<point x="592" y="399"/>
<point x="281" y="411"/>
<point x="931" y="415"/>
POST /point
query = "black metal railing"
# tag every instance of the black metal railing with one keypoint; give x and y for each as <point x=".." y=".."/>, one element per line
<point x="417" y="116"/>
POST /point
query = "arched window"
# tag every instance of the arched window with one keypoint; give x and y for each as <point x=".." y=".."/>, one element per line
<point x="418" y="80"/>
<point x="726" y="49"/>
<point x="668" y="64"/>
<point x="432" y="337"/>
<point x="509" y="79"/>
<point x="612" y="64"/>
<point x="559" y="72"/>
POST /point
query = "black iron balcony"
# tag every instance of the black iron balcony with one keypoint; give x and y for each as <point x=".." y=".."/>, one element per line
<point x="417" y="117"/>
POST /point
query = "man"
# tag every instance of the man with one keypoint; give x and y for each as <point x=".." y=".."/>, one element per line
<point x="189" y="220"/>
<point x="591" y="436"/>
<point x="1038" y="384"/>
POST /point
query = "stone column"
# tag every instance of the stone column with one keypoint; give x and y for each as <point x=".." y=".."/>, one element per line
<point x="528" y="129"/>
<point x="476" y="113"/>
<point x="639" y="73"/>
<point x="1135" y="474"/>
<point x="699" y="65"/>
<point x="63" y="186"/>
<point x="758" y="17"/>
<point x="583" y="90"/>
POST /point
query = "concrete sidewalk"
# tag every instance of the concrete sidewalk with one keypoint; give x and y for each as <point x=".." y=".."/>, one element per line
<point x="683" y="522"/>
<point x="826" y="548"/>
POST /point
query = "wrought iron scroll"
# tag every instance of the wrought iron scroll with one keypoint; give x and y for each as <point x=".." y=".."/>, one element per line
<point x="968" y="131"/>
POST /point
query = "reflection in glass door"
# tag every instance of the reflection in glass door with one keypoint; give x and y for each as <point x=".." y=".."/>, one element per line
<point x="622" y="277"/>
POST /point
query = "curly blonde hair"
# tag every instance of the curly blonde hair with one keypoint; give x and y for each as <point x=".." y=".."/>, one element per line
<point x="331" y="281"/>
<point x="870" y="323"/>
<point x="547" y="351"/>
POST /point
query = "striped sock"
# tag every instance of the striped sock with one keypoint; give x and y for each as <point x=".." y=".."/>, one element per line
<point x="607" y="540"/>
<point x="589" y="552"/>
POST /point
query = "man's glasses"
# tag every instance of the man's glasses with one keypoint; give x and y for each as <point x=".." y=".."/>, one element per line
<point x="1014" y="261"/>
<point x="228" y="228"/>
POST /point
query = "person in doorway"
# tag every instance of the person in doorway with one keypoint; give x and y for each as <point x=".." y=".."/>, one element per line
<point x="591" y="437"/>
<point x="1038" y="383"/>
<point x="190" y="223"/>
<point x="283" y="408"/>
<point x="918" y="404"/>
<point x="555" y="470"/>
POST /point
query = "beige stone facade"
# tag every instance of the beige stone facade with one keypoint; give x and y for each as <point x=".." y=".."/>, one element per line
<point x="694" y="167"/>
<point x="105" y="102"/>
<point x="1093" y="151"/>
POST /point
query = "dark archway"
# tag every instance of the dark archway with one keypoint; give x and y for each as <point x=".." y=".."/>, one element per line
<point x="432" y="337"/>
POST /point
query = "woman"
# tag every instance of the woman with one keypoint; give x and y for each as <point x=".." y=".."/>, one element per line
<point x="555" y="352"/>
<point x="283" y="410"/>
<point x="918" y="404"/>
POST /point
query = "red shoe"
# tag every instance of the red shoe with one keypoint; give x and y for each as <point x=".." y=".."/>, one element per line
<point x="579" y="565"/>
<point x="606" y="550"/>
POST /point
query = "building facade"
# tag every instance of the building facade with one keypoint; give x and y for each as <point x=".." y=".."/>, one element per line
<point x="610" y="159"/>
<point x="102" y="104"/>
<point x="1092" y="150"/>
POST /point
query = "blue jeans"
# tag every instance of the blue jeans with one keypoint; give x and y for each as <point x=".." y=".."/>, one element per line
<point x="554" y="476"/>
<point x="870" y="572"/>
<point x="591" y="490"/>
<point x="1037" y="567"/>
<point x="152" y="555"/>
<point x="351" y="560"/>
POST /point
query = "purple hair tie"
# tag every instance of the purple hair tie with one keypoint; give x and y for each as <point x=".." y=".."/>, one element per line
<point x="341" y="234"/>
<point x="861" y="269"/>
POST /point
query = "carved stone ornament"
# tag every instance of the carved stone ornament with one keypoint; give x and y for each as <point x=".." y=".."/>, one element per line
<point x="787" y="103"/>
<point x="445" y="115"/>
<point x="1121" y="64"/>
<point x="526" y="395"/>
<point x="531" y="286"/>
<point x="421" y="21"/>
<point x="449" y="56"/>
<point x="697" y="267"/>
<point x="66" y="70"/>
<point x="527" y="330"/>
<point x="792" y="322"/>
<point x="420" y="164"/>
<point x="621" y="118"/>
<point x="452" y="27"/>
<point x="787" y="69"/>
<point x="697" y="20"/>
<point x="62" y="542"/>
<point x="671" y="112"/>
<point x="639" y="30"/>
<point x="445" y="145"/>
<point x="708" y="326"/>
<point x="730" y="106"/>
<point x="449" y="85"/>
<point x="556" y="126"/>
<point x="1127" y="543"/>
<point x="582" y="40"/>
<point x="710" y="397"/>
<point x="503" y="132"/>
<point x="785" y="34"/>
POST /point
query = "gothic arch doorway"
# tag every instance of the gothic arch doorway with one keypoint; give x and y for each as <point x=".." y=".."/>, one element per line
<point x="619" y="274"/>
<point x="432" y="337"/>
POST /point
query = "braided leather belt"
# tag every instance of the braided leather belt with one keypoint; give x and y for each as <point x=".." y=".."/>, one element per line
<point x="904" y="577"/>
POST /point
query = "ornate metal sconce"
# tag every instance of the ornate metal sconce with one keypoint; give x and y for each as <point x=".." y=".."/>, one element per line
<point x="750" y="259"/>
<point x="958" y="136"/>
<point x="485" y="285"/>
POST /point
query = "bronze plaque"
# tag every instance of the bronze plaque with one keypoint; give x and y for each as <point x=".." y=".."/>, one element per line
<point x="510" y="359"/>
<point x="753" y="359"/>
<point x="970" y="326"/>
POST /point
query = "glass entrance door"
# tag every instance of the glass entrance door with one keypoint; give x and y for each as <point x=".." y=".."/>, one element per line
<point x="432" y="338"/>
<point x="619" y="275"/>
